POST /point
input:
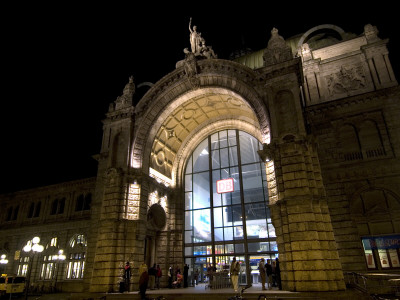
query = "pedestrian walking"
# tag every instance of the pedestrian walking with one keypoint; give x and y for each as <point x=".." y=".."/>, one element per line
<point x="158" y="276"/>
<point x="268" y="270"/>
<point x="234" y="270"/>
<point x="261" y="269"/>
<point x="152" y="276"/>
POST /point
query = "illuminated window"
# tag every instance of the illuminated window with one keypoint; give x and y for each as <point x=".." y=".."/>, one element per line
<point x="23" y="266"/>
<point x="76" y="257"/>
<point x="382" y="252"/>
<point x="227" y="223"/>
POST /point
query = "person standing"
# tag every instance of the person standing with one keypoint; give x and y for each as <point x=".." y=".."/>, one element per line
<point x="278" y="274"/>
<point x="196" y="277"/>
<point x="274" y="274"/>
<point x="143" y="282"/>
<point x="152" y="276"/>
<point x="158" y="276"/>
<point x="142" y="268"/>
<point x="234" y="270"/>
<point x="268" y="269"/>
<point x="127" y="276"/>
<point x="261" y="268"/>
<point x="185" y="275"/>
<point x="170" y="277"/>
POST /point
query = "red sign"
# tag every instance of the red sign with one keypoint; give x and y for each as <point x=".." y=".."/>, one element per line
<point x="225" y="185"/>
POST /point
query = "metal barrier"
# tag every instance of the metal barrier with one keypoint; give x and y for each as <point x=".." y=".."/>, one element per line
<point x="219" y="280"/>
<point x="374" y="283"/>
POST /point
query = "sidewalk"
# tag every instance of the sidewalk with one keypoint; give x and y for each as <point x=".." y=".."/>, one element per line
<point x="201" y="293"/>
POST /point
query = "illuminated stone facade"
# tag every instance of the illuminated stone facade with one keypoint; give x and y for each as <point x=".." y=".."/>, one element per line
<point x="327" y="116"/>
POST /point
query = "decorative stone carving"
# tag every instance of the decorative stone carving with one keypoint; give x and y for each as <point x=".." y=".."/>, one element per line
<point x="190" y="66"/>
<point x="305" y="52"/>
<point x="371" y="33"/>
<point x="346" y="80"/>
<point x="156" y="217"/>
<point x="125" y="100"/>
<point x="277" y="51"/>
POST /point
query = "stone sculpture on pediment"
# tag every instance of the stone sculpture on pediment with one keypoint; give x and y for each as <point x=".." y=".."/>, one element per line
<point x="125" y="100"/>
<point x="277" y="50"/>
<point x="190" y="66"/>
<point x="195" y="38"/>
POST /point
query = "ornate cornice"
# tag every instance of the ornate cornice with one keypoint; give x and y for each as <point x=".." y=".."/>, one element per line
<point x="379" y="95"/>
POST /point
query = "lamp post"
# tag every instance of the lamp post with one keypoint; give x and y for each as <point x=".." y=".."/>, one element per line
<point x="59" y="258"/>
<point x="31" y="248"/>
<point x="3" y="261"/>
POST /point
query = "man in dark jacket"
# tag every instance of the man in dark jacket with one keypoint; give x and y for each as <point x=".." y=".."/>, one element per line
<point x="268" y="269"/>
<point x="185" y="275"/>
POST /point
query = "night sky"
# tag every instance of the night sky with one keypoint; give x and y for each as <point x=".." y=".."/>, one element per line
<point x="62" y="65"/>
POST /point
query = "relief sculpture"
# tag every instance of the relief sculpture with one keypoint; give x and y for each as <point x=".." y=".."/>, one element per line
<point x="346" y="80"/>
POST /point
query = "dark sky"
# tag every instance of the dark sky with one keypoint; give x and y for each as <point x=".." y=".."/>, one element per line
<point x="62" y="65"/>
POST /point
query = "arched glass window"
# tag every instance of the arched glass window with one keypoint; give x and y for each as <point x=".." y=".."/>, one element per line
<point x="226" y="200"/>
<point x="76" y="257"/>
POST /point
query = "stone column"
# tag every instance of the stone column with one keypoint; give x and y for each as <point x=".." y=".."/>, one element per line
<point x="308" y="254"/>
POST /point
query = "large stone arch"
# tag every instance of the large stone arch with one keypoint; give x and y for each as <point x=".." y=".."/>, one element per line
<point x="176" y="88"/>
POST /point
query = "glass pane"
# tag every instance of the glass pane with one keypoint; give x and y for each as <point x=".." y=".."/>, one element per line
<point x="252" y="183"/>
<point x="214" y="141"/>
<point x="188" y="183"/>
<point x="188" y="220"/>
<point x="189" y="166"/>
<point x="227" y="215"/>
<point x="238" y="230"/>
<point x="216" y="197"/>
<point x="219" y="234"/>
<point x="223" y="139"/>
<point x="239" y="248"/>
<point x="188" y="236"/>
<point x="202" y="230"/>
<point x="256" y="211"/>
<point x="394" y="258"/>
<point x="237" y="214"/>
<point x="224" y="158"/>
<point x="248" y="148"/>
<point x="226" y="198"/>
<point x="255" y="247"/>
<point x="188" y="251"/>
<point x="233" y="158"/>
<point x="219" y="249"/>
<point x="188" y="201"/>
<point x="200" y="157"/>
<point x="383" y="258"/>
<point x="234" y="173"/>
<point x="201" y="190"/>
<point x="229" y="249"/>
<point x="273" y="246"/>
<point x="232" y="137"/>
<point x="218" y="217"/>
<point x="215" y="159"/>
<point x="228" y="233"/>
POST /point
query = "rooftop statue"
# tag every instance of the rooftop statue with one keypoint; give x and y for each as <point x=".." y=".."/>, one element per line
<point x="195" y="38"/>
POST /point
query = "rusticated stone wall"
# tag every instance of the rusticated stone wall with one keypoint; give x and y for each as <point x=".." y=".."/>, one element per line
<point x="306" y="243"/>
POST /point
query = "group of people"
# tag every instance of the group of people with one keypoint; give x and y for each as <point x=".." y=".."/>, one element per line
<point x="176" y="279"/>
<point x="270" y="273"/>
<point x="148" y="278"/>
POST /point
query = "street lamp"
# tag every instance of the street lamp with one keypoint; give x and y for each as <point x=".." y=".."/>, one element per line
<point x="3" y="262"/>
<point x="59" y="258"/>
<point x="31" y="247"/>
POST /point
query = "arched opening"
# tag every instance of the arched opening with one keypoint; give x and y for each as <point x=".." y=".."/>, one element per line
<point x="226" y="208"/>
